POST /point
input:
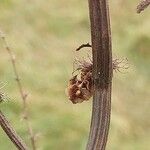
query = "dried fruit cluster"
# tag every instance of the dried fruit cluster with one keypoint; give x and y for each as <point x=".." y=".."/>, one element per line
<point x="80" y="86"/>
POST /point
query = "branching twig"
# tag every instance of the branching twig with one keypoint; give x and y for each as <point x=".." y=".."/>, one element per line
<point x="102" y="74"/>
<point x="143" y="5"/>
<point x="82" y="46"/>
<point x="6" y="126"/>
<point x="22" y="93"/>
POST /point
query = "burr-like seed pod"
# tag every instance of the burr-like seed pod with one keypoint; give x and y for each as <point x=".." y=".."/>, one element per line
<point x="80" y="86"/>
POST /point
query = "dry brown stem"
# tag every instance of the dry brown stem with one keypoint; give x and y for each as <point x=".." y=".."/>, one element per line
<point x="21" y="91"/>
<point x="83" y="46"/>
<point x="102" y="74"/>
<point x="142" y="5"/>
<point x="11" y="133"/>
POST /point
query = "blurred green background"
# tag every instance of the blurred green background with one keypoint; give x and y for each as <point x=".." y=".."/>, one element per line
<point x="44" y="34"/>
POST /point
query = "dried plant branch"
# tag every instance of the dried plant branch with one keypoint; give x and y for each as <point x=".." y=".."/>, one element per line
<point x="11" y="133"/>
<point x="83" y="46"/>
<point x="102" y="74"/>
<point x="143" y="5"/>
<point x="22" y="93"/>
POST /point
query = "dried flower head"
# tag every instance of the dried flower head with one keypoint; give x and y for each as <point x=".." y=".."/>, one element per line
<point x="80" y="86"/>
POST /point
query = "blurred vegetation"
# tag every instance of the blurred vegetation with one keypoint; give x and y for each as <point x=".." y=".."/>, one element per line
<point x="44" y="35"/>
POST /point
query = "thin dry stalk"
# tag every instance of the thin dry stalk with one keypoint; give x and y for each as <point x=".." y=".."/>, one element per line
<point x="83" y="46"/>
<point x="21" y="91"/>
<point x="11" y="133"/>
<point x="143" y="5"/>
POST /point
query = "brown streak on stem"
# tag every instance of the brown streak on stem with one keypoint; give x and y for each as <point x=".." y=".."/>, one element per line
<point x="11" y="133"/>
<point x="102" y="74"/>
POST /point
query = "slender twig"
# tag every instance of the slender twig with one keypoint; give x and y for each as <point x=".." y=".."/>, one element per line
<point x="102" y="74"/>
<point x="142" y="5"/>
<point x="83" y="46"/>
<point x="11" y="133"/>
<point x="21" y="90"/>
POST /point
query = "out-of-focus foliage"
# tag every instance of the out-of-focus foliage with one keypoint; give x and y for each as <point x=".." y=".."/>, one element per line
<point x="44" y="35"/>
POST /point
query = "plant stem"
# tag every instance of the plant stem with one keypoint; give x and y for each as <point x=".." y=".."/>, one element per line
<point x="83" y="46"/>
<point x="21" y="91"/>
<point x="143" y="5"/>
<point x="11" y="133"/>
<point x="102" y="74"/>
